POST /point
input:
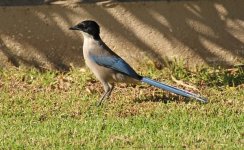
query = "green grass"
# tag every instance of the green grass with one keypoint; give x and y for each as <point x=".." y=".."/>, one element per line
<point x="55" y="110"/>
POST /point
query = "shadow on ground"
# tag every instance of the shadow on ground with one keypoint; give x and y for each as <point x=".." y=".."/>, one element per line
<point x="210" y="30"/>
<point x="164" y="99"/>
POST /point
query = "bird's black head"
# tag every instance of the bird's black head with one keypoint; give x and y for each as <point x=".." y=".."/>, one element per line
<point x="88" y="26"/>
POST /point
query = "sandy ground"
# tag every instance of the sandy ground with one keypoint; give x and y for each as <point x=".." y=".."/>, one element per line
<point x="198" y="32"/>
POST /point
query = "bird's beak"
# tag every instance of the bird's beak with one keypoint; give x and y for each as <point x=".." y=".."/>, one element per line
<point x="74" y="28"/>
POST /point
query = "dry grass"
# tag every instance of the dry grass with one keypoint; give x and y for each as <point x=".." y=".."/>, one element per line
<point x="57" y="110"/>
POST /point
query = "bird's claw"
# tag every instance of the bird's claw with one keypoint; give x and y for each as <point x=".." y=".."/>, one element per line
<point x="98" y="103"/>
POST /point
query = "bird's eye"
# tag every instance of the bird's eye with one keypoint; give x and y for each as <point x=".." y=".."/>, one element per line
<point x="81" y="26"/>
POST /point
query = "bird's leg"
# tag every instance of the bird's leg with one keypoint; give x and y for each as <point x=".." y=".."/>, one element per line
<point x="108" y="89"/>
<point x="111" y="89"/>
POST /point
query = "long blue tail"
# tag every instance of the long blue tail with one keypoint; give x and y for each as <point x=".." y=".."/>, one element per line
<point x="173" y="89"/>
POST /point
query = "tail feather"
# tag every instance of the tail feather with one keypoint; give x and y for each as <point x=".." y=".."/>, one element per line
<point x="173" y="89"/>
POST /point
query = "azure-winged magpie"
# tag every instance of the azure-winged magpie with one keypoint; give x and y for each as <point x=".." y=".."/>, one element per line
<point x="110" y="68"/>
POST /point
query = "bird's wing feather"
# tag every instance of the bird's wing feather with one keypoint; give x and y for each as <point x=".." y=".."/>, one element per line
<point x="115" y="63"/>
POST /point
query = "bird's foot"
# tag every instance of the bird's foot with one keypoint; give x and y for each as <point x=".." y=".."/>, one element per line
<point x="99" y="103"/>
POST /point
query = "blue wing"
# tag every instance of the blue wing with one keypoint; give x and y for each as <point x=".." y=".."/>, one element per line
<point x="117" y="64"/>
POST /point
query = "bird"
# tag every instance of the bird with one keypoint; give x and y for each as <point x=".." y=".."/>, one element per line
<point x="109" y="68"/>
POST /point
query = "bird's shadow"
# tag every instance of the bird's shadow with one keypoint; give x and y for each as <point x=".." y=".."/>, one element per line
<point x="162" y="98"/>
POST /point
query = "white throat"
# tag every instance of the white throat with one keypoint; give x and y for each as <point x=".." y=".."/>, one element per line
<point x="89" y="43"/>
<point x="88" y="40"/>
<point x="87" y="36"/>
